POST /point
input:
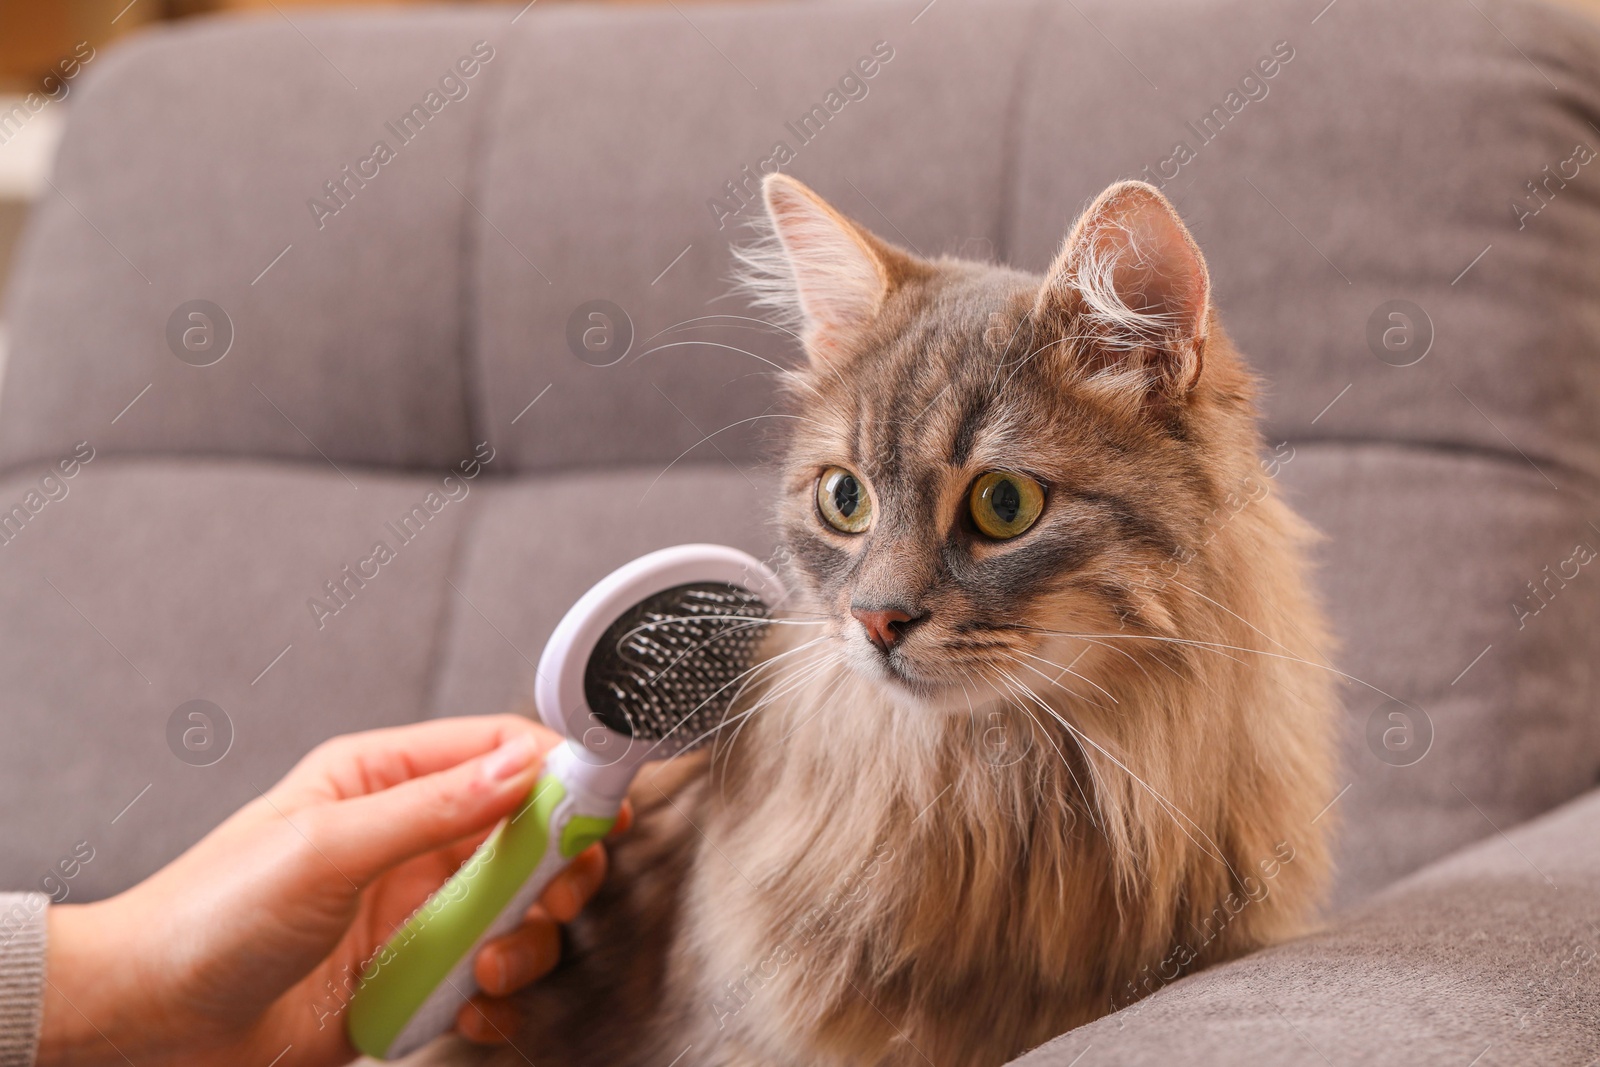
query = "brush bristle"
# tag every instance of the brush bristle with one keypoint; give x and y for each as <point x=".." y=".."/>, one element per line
<point x="670" y="667"/>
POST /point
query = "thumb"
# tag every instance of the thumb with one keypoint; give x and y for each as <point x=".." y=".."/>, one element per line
<point x="365" y="836"/>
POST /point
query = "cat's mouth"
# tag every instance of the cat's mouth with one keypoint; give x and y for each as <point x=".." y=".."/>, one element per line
<point x="905" y="676"/>
<point x="951" y="691"/>
<point x="914" y="668"/>
<point x="895" y="670"/>
<point x="890" y="666"/>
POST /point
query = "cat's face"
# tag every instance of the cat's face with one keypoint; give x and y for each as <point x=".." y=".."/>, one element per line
<point x="984" y="461"/>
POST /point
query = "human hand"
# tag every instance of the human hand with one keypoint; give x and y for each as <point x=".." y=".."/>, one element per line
<point x="250" y="943"/>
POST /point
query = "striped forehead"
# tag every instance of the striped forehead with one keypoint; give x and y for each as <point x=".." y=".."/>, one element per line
<point x="910" y="423"/>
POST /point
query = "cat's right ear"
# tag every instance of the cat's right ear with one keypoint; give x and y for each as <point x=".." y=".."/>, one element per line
<point x="1132" y="280"/>
<point x="820" y="271"/>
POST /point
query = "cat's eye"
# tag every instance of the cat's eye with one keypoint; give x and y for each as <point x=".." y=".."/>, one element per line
<point x="1004" y="504"/>
<point x="843" y="501"/>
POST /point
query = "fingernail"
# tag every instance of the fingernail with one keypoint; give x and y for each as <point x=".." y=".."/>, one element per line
<point x="510" y="759"/>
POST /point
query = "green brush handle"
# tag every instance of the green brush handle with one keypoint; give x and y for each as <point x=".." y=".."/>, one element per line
<point x="412" y="989"/>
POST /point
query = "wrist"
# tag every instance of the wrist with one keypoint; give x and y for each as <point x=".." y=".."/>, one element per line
<point x="92" y="1000"/>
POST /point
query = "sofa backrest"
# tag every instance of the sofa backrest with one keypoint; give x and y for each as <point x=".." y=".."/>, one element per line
<point x="1397" y="203"/>
<point x="393" y="317"/>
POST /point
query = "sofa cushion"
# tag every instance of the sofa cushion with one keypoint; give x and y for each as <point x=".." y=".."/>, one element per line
<point x="1489" y="957"/>
<point x="149" y="584"/>
<point x="187" y="169"/>
<point x="1455" y="705"/>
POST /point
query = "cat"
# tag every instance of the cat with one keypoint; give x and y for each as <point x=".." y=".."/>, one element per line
<point x="1050" y="722"/>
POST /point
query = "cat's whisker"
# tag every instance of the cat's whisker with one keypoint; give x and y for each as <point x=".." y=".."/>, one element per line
<point x="1064" y="670"/>
<point x="785" y="671"/>
<point x="1236" y="615"/>
<point x="1218" y="647"/>
<point x="801" y="674"/>
<point x="1131" y="658"/>
<point x="1204" y="646"/>
<point x="829" y="661"/>
<point x="1016" y="690"/>
<point x="713" y="433"/>
<point x="798" y="675"/>
<point x="777" y="687"/>
<point x="742" y="623"/>
<point x="1073" y="693"/>
<point x="821" y="700"/>
<point x="791" y="610"/>
<point x="709" y="344"/>
<point x="1198" y="678"/>
<point x="1177" y="814"/>
<point x="1180" y="817"/>
<point x="776" y="660"/>
<point x="732" y="322"/>
<point x="735" y="680"/>
<point x="785" y="373"/>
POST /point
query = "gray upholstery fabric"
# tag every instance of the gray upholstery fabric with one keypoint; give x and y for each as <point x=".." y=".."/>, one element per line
<point x="1493" y="953"/>
<point x="432" y="313"/>
<point x="153" y="584"/>
<point x="164" y="194"/>
<point x="536" y="546"/>
<point x="627" y="192"/>
<point x="1393" y="144"/>
<point x="1423" y="551"/>
<point x="150" y="585"/>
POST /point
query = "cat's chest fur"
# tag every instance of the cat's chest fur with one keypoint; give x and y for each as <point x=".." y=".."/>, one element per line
<point x="872" y="880"/>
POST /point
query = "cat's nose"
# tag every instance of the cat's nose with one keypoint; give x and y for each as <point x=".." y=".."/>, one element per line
<point x="883" y="625"/>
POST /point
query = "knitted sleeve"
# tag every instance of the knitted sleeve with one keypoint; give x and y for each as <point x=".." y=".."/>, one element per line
<point x="22" y="944"/>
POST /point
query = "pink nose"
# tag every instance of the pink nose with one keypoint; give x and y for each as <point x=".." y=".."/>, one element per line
<point x="883" y="627"/>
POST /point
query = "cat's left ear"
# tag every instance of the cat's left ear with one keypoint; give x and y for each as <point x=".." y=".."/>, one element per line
<point x="825" y="273"/>
<point x="1133" y="280"/>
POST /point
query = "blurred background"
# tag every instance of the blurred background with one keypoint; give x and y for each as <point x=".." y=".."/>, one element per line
<point x="1397" y="167"/>
<point x="37" y="36"/>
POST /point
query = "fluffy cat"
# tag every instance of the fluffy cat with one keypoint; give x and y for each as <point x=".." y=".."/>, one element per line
<point x="1047" y="726"/>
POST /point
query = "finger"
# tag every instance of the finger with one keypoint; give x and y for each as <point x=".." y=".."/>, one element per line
<point x="368" y="762"/>
<point x="368" y="835"/>
<point x="570" y="890"/>
<point x="624" y="819"/>
<point x="508" y="963"/>
<point x="488" y="1021"/>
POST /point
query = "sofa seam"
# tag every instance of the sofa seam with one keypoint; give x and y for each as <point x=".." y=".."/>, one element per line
<point x="468" y="286"/>
<point x="445" y="626"/>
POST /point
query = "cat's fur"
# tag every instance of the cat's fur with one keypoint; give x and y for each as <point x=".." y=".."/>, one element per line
<point x="948" y="854"/>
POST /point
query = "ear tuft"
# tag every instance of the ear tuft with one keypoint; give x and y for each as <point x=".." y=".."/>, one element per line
<point x="813" y="269"/>
<point x="1134" y="279"/>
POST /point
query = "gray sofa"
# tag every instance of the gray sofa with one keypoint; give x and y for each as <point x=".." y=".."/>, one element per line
<point x="1423" y="153"/>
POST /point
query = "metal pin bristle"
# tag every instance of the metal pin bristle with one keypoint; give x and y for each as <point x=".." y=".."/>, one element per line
<point x="670" y="664"/>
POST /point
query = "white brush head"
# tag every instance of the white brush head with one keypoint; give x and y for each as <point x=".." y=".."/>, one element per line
<point x="646" y="663"/>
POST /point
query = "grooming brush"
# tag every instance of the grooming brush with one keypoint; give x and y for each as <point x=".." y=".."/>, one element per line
<point x="642" y="667"/>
